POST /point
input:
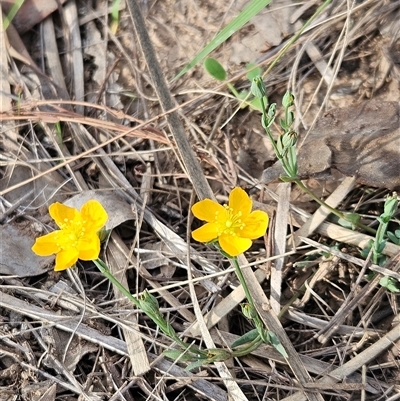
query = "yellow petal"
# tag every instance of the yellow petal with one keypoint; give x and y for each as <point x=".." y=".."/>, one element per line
<point x="208" y="210"/>
<point x="47" y="244"/>
<point x="93" y="215"/>
<point x="234" y="245"/>
<point x="206" y="233"/>
<point x="66" y="259"/>
<point x="239" y="201"/>
<point x="89" y="247"/>
<point x="255" y="225"/>
<point x="62" y="214"/>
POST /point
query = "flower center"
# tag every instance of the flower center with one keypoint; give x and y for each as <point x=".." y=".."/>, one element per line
<point x="71" y="233"/>
<point x="231" y="224"/>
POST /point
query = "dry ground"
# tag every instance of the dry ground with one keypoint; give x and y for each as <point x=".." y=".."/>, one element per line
<point x="71" y="335"/>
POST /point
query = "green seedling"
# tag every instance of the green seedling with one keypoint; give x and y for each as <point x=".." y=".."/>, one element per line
<point x="391" y="284"/>
<point x="377" y="245"/>
<point x="394" y="237"/>
<point x="218" y="72"/>
<point x="190" y="353"/>
<point x="285" y="146"/>
<point x="59" y="136"/>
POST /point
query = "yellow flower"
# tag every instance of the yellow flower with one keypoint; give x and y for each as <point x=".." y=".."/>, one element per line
<point x="77" y="237"/>
<point x="233" y="225"/>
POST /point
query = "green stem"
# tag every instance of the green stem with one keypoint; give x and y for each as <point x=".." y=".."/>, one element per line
<point x="271" y="138"/>
<point x="162" y="324"/>
<point x="167" y="328"/>
<point x="106" y="272"/>
<point x="330" y="208"/>
<point x="247" y="350"/>
<point x="297" y="35"/>
<point x="233" y="90"/>
<point x="291" y="171"/>
<point x="258" y="322"/>
<point x="239" y="273"/>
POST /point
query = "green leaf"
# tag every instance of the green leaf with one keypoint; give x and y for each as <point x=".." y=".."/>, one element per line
<point x="215" y="69"/>
<point x="255" y="104"/>
<point x="271" y="113"/>
<point x="285" y="178"/>
<point x="350" y="221"/>
<point x="246" y="338"/>
<point x="391" y="205"/>
<point x="243" y="94"/>
<point x="393" y="237"/>
<point x="11" y="14"/>
<point x="196" y="364"/>
<point x="248" y="311"/>
<point x="380" y="247"/>
<point x="253" y="71"/>
<point x="258" y="88"/>
<point x="364" y="252"/>
<point x="115" y="10"/>
<point x="288" y="100"/>
<point x="264" y="122"/>
<point x="390" y="284"/>
<point x="245" y="16"/>
<point x="176" y="354"/>
<point x="383" y="218"/>
<point x="103" y="234"/>
<point x="276" y="344"/>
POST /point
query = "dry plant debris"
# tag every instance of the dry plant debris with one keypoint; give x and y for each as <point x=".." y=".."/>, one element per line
<point x="361" y="141"/>
<point x="81" y="119"/>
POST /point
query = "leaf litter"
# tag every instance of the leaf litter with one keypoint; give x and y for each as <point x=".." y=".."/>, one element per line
<point x="342" y="321"/>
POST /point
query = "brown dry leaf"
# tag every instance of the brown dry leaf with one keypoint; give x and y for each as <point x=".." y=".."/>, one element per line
<point x="43" y="391"/>
<point x="154" y="257"/>
<point x="31" y="12"/>
<point x="77" y="348"/>
<point x="17" y="257"/>
<point x="361" y="141"/>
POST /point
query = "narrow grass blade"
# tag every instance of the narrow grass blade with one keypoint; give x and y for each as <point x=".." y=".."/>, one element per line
<point x="10" y="16"/>
<point x="245" y="16"/>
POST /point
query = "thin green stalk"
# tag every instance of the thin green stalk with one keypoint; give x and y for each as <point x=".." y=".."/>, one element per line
<point x="148" y="304"/>
<point x="243" y="282"/>
<point x="156" y="316"/>
<point x="258" y="323"/>
<point x="233" y="90"/>
<point x="104" y="270"/>
<point x="12" y="13"/>
<point x="264" y="335"/>
<point x="285" y="146"/>
<point x="253" y="345"/>
<point x="297" y="35"/>
<point x="271" y="138"/>
<point x="330" y="208"/>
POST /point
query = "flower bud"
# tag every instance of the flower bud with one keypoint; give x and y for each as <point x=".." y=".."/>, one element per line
<point x="148" y="304"/>
<point x="288" y="100"/>
<point x="289" y="139"/>
<point x="248" y="311"/>
<point x="391" y="205"/>
<point x="258" y="88"/>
